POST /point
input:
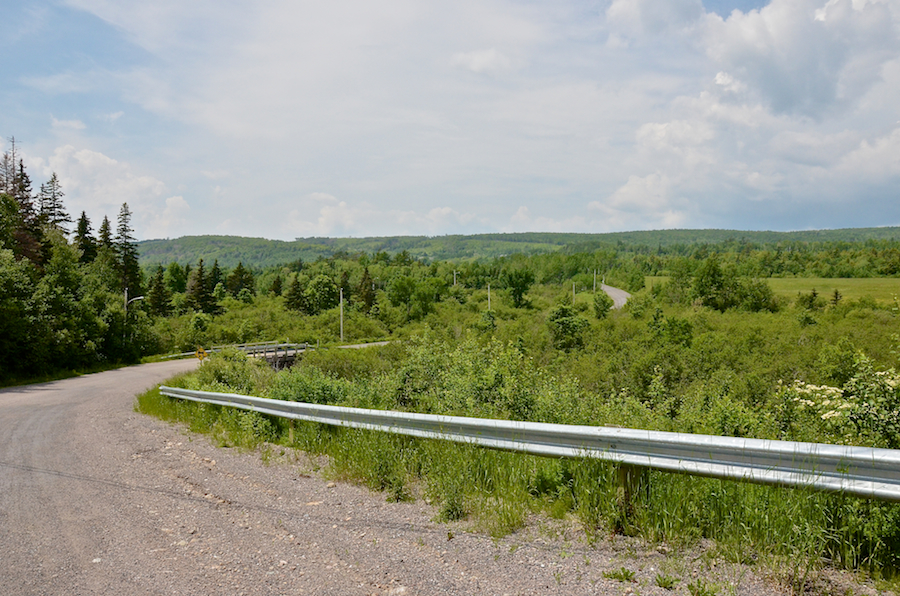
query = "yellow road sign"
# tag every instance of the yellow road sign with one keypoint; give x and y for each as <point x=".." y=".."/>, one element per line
<point x="201" y="354"/>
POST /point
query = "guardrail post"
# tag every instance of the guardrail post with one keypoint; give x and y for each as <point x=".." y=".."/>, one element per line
<point x="632" y="481"/>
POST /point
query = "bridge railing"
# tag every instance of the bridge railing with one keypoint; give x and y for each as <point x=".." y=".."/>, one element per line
<point x="861" y="471"/>
<point x="255" y="348"/>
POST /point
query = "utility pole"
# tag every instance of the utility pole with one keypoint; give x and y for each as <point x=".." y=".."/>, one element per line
<point x="342" y="314"/>
<point x="595" y="281"/>
<point x="454" y="277"/>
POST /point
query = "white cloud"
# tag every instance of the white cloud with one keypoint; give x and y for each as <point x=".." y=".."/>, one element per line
<point x="68" y="124"/>
<point x="170" y="221"/>
<point x="878" y="159"/>
<point x="322" y="214"/>
<point x="98" y="185"/>
<point x="800" y="58"/>
<point x="523" y="221"/>
<point x="642" y="202"/>
<point x="481" y="61"/>
<point x="653" y="17"/>
<point x="654" y="112"/>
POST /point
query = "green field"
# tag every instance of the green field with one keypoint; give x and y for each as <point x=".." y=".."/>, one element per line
<point x="880" y="289"/>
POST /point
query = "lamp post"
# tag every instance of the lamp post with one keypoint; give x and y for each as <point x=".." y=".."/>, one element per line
<point x="127" y="302"/>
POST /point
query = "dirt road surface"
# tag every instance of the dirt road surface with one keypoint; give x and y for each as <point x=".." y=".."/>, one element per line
<point x="96" y="499"/>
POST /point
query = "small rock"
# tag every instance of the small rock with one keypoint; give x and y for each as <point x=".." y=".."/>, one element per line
<point x="330" y="485"/>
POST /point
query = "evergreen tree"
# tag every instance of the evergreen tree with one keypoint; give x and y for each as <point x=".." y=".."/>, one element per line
<point x="239" y="279"/>
<point x="105" y="233"/>
<point x="84" y="240"/>
<point x="366" y="291"/>
<point x="27" y="235"/>
<point x="8" y="170"/>
<point x="23" y="193"/>
<point x="127" y="253"/>
<point x="198" y="295"/>
<point x="276" y="287"/>
<point x="295" y="297"/>
<point x="158" y="297"/>
<point x="51" y="212"/>
<point x="215" y="276"/>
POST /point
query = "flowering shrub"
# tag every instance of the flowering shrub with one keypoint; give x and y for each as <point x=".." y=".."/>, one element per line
<point x="865" y="411"/>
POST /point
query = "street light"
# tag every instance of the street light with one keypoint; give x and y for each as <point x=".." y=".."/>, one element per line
<point x="127" y="302"/>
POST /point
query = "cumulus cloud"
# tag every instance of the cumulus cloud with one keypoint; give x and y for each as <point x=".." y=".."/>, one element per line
<point x="644" y="113"/>
<point x="878" y="159"/>
<point x="642" y="202"/>
<point x="98" y="185"/>
<point x="799" y="57"/>
<point x="171" y="220"/>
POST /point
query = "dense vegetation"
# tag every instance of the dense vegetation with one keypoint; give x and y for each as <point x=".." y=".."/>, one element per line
<point x="705" y="346"/>
<point x="63" y="302"/>
<point x="813" y="372"/>
<point x="259" y="252"/>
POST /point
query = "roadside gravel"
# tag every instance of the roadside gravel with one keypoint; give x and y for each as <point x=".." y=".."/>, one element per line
<point x="97" y="499"/>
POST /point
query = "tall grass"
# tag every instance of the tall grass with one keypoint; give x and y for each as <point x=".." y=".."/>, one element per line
<point x="792" y="530"/>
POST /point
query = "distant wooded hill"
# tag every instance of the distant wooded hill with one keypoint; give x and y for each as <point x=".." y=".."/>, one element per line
<point x="259" y="252"/>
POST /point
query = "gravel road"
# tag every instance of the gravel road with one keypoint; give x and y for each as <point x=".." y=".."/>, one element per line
<point x="97" y="499"/>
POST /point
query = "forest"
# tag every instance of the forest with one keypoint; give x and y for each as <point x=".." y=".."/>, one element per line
<point x="704" y="345"/>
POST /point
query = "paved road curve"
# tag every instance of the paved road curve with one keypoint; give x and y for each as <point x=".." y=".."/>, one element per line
<point x="96" y="499"/>
<point x="619" y="297"/>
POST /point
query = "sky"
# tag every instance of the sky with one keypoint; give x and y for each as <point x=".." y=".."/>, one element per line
<point x="290" y="119"/>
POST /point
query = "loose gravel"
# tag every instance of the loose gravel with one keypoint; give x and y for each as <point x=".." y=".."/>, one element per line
<point x="97" y="499"/>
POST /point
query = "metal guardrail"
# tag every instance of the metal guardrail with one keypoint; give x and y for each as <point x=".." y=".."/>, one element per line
<point x="251" y="348"/>
<point x="860" y="471"/>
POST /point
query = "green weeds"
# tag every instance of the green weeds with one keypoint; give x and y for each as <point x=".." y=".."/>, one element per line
<point x="496" y="491"/>
<point x="622" y="574"/>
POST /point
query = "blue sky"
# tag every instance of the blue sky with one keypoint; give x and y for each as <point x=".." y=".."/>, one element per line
<point x="354" y="118"/>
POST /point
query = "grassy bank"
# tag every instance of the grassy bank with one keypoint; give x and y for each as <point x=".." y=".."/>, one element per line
<point x="793" y="532"/>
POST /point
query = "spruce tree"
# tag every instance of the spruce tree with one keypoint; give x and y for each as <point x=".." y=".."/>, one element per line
<point x="239" y="279"/>
<point x="197" y="295"/>
<point x="366" y="291"/>
<point x="51" y="212"/>
<point x="84" y="240"/>
<point x="295" y="297"/>
<point x="105" y="233"/>
<point x="27" y="235"/>
<point x="127" y="253"/>
<point x="215" y="276"/>
<point x="158" y="296"/>
<point x="276" y="287"/>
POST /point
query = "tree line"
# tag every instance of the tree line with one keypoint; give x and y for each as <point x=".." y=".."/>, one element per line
<point x="62" y="291"/>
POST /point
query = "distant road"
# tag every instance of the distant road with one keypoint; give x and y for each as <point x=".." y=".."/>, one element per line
<point x="619" y="297"/>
